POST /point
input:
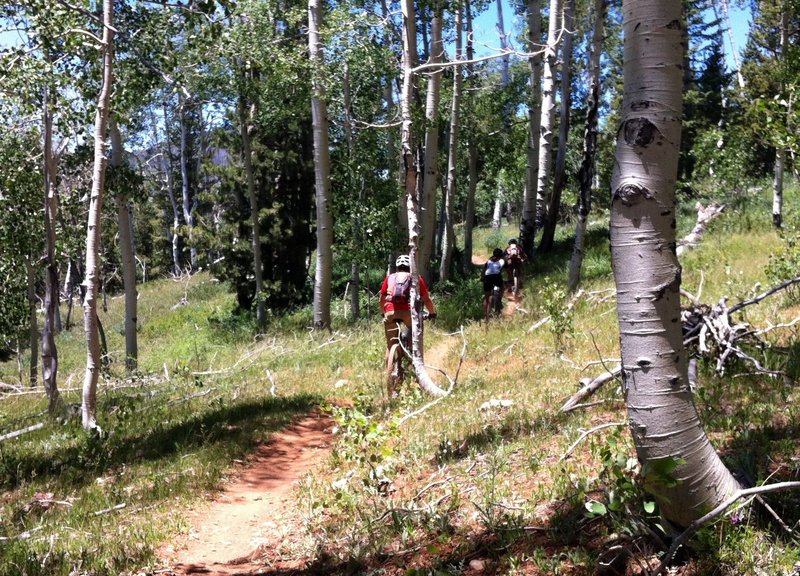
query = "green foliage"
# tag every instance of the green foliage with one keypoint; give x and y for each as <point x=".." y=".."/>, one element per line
<point x="553" y="300"/>
<point x="622" y="483"/>
<point x="784" y="263"/>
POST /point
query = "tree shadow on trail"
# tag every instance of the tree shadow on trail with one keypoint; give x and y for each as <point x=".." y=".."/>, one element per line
<point x="77" y="461"/>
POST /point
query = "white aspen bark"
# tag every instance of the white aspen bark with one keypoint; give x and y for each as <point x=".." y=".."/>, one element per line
<point x="559" y="175"/>
<point x="497" y="212"/>
<point x="245" y="126"/>
<point x="188" y="212"/>
<point x="127" y="255"/>
<point x="402" y="213"/>
<point x="427" y="238"/>
<point x="349" y="131"/>
<point x="472" y="155"/>
<point x="734" y="50"/>
<point x="586" y="171"/>
<point x="33" y="326"/>
<point x="547" y="113"/>
<point x="90" y="321"/>
<point x="527" y="227"/>
<point x="663" y="418"/>
<point x="780" y="153"/>
<point x="777" y="188"/>
<point x="49" y="349"/>
<point x="500" y="199"/>
<point x="448" y="241"/>
<point x="169" y="181"/>
<point x="322" y="169"/>
<point x="411" y="174"/>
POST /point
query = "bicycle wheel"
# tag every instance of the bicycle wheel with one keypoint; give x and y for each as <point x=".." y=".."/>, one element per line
<point x="394" y="369"/>
<point x="497" y="300"/>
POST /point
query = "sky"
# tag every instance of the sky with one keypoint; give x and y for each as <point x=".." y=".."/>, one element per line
<point x="487" y="38"/>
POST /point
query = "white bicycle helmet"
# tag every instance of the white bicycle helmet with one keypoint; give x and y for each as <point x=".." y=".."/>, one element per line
<point x="403" y="260"/>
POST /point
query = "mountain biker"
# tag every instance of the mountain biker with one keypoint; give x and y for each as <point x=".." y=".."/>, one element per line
<point x="514" y="256"/>
<point x="395" y="299"/>
<point x="492" y="276"/>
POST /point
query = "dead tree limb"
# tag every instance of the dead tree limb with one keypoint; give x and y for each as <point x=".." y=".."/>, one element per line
<point x="589" y="388"/>
<point x="704" y="217"/>
<point x="16" y="433"/>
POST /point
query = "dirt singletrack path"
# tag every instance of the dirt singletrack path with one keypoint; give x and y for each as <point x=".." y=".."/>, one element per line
<point x="255" y="512"/>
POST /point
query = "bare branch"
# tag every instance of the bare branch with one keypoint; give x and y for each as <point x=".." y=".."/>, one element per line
<point x="715" y="513"/>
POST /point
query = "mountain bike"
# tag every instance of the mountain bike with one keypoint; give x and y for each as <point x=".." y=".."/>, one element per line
<point x="516" y="273"/>
<point x="497" y="300"/>
<point x="398" y="360"/>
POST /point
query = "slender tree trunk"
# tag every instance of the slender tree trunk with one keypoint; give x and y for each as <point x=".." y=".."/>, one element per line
<point x="186" y="185"/>
<point x="169" y="181"/>
<point x="448" y="240"/>
<point x="500" y="198"/>
<point x="350" y="136"/>
<point x="780" y="153"/>
<point x="33" y="324"/>
<point x="245" y="127"/>
<point x="427" y="240"/>
<point x="560" y="174"/>
<point x="127" y="255"/>
<point x="527" y="228"/>
<point x="411" y="175"/>
<point x="322" y="170"/>
<point x="472" y="153"/>
<point x="663" y="419"/>
<point x="586" y="171"/>
<point x="49" y="350"/>
<point x="500" y="195"/>
<point x="547" y="113"/>
<point x="402" y="211"/>
<point x="90" y="320"/>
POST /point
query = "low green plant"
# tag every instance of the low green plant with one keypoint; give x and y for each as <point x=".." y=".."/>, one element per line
<point x="784" y="263"/>
<point x="553" y="302"/>
<point x="622" y="483"/>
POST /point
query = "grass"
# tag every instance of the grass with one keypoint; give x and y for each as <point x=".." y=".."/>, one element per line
<point x="464" y="482"/>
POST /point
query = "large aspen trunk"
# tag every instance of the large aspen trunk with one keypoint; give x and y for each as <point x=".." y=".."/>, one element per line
<point x="560" y="173"/>
<point x="663" y="418"/>
<point x="411" y="175"/>
<point x="527" y="226"/>
<point x="472" y="154"/>
<point x="90" y="320"/>
<point x="51" y="295"/>
<point x="245" y="126"/>
<point x="448" y="241"/>
<point x="586" y="171"/>
<point x="127" y="254"/>
<point x="547" y="114"/>
<point x="322" y="169"/>
<point x="427" y="237"/>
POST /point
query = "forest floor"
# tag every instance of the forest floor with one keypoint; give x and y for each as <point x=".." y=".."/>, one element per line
<point x="249" y="524"/>
<point x="253" y="526"/>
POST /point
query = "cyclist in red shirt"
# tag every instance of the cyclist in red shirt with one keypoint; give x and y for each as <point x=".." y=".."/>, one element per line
<point x="395" y="298"/>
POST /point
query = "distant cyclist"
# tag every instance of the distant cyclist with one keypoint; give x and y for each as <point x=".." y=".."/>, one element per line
<point x="395" y="299"/>
<point x="492" y="277"/>
<point x="514" y="257"/>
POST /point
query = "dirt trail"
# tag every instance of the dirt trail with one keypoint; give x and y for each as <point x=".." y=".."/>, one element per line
<point x="254" y="514"/>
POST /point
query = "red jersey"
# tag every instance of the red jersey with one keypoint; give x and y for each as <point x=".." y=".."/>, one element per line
<point x="389" y="306"/>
